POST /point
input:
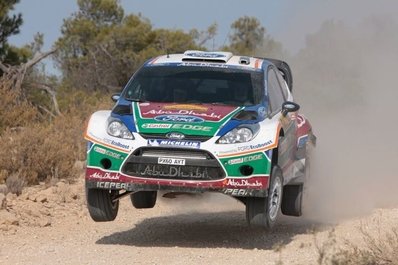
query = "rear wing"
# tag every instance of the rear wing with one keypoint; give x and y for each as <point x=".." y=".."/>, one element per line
<point x="284" y="68"/>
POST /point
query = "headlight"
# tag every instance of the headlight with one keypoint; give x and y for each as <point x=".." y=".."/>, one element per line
<point x="118" y="129"/>
<point x="238" y="135"/>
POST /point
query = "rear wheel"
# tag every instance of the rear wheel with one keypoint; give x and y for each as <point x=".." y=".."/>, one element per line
<point x="101" y="206"/>
<point x="143" y="199"/>
<point x="264" y="211"/>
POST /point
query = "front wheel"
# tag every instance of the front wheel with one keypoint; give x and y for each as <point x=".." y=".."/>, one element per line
<point x="264" y="211"/>
<point x="101" y="206"/>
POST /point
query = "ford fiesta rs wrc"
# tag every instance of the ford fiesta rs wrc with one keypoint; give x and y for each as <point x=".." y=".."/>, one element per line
<point x="201" y="122"/>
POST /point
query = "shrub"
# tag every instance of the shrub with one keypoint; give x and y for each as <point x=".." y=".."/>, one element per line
<point x="15" y="110"/>
<point x="36" y="147"/>
<point x="379" y="248"/>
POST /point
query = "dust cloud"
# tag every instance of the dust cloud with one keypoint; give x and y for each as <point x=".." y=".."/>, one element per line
<point x="346" y="81"/>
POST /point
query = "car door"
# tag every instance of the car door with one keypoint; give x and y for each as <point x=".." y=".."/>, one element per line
<point x="287" y="142"/>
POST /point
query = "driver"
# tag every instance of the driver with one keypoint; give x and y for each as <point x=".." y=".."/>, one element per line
<point x="180" y="95"/>
<point x="240" y="92"/>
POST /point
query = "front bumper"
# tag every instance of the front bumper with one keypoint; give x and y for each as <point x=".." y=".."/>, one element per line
<point x="97" y="178"/>
<point x="202" y="171"/>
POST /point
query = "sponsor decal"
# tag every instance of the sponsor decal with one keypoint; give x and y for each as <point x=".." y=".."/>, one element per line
<point x="185" y="107"/>
<point x="236" y="192"/>
<point x="104" y="175"/>
<point x="222" y="152"/>
<point x="253" y="146"/>
<point x="204" y="64"/>
<point x="174" y="143"/>
<point x="116" y="143"/>
<point x="175" y="135"/>
<point x="106" y="152"/>
<point x="211" y="115"/>
<point x="174" y="171"/>
<point x="171" y="161"/>
<point x="192" y="127"/>
<point x="243" y="183"/>
<point x="245" y="159"/>
<point x="156" y="126"/>
<point x="115" y="185"/>
<point x="179" y="118"/>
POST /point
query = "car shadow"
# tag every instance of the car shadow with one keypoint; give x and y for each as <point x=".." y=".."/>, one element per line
<point x="210" y="230"/>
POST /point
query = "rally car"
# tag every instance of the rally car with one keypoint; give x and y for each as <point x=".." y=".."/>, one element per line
<point x="201" y="122"/>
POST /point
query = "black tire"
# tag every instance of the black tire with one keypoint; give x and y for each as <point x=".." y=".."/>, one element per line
<point x="100" y="205"/>
<point x="264" y="211"/>
<point x="292" y="200"/>
<point x="143" y="199"/>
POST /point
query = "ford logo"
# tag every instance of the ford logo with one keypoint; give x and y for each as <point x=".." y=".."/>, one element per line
<point x="179" y="118"/>
<point x="175" y="135"/>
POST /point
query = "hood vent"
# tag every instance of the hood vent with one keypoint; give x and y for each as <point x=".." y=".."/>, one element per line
<point x="122" y="109"/>
<point x="246" y="115"/>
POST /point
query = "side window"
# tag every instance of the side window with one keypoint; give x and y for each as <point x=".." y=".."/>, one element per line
<point x="275" y="95"/>
<point x="284" y="86"/>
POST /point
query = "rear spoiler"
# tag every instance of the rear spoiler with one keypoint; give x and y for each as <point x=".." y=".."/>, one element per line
<point x="284" y="68"/>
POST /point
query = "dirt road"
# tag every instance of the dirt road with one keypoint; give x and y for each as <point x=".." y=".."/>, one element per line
<point x="45" y="226"/>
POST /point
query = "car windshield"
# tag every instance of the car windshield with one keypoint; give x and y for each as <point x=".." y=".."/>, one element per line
<point x="196" y="84"/>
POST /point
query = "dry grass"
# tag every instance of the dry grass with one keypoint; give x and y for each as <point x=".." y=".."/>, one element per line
<point x="378" y="247"/>
<point x="14" y="110"/>
<point x="34" y="148"/>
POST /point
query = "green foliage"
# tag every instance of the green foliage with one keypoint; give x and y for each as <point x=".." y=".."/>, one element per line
<point x="100" y="47"/>
<point x="101" y="12"/>
<point x="248" y="37"/>
<point x="201" y="37"/>
<point x="247" y="34"/>
<point x="9" y="25"/>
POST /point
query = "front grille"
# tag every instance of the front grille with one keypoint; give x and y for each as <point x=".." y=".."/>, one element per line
<point x="199" y="165"/>
<point x="162" y="136"/>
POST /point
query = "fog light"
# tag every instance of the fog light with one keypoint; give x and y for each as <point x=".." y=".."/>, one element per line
<point x="246" y="170"/>
<point x="106" y="163"/>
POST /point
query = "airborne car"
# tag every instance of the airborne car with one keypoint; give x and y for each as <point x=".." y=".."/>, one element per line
<point x="201" y="122"/>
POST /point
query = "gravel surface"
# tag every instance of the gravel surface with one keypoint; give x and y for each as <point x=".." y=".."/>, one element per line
<point x="43" y="227"/>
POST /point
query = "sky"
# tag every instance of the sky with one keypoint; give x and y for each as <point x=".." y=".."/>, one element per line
<point x="288" y="21"/>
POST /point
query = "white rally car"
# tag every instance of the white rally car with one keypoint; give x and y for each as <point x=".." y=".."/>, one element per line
<point x="201" y="122"/>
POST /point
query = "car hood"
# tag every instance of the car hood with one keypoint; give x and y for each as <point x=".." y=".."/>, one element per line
<point x="189" y="119"/>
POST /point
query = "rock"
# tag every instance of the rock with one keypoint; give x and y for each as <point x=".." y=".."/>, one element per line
<point x="11" y="196"/>
<point x="44" y="222"/>
<point x="7" y="218"/>
<point x="41" y="198"/>
<point x="3" y="189"/>
<point x="44" y="195"/>
<point x="3" y="201"/>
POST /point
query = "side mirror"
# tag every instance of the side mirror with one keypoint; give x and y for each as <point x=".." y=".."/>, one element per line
<point x="289" y="106"/>
<point x="115" y="97"/>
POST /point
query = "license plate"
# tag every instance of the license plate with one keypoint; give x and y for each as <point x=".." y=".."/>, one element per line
<point x="171" y="161"/>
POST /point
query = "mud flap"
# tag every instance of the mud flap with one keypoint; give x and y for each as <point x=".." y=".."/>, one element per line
<point x="292" y="200"/>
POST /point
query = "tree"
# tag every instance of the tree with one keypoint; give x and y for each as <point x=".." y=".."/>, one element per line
<point x="9" y="25"/>
<point x="249" y="37"/>
<point x="101" y="47"/>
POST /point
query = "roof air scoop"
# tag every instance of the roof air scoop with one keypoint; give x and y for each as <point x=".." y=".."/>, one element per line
<point x="219" y="57"/>
<point x="244" y="60"/>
